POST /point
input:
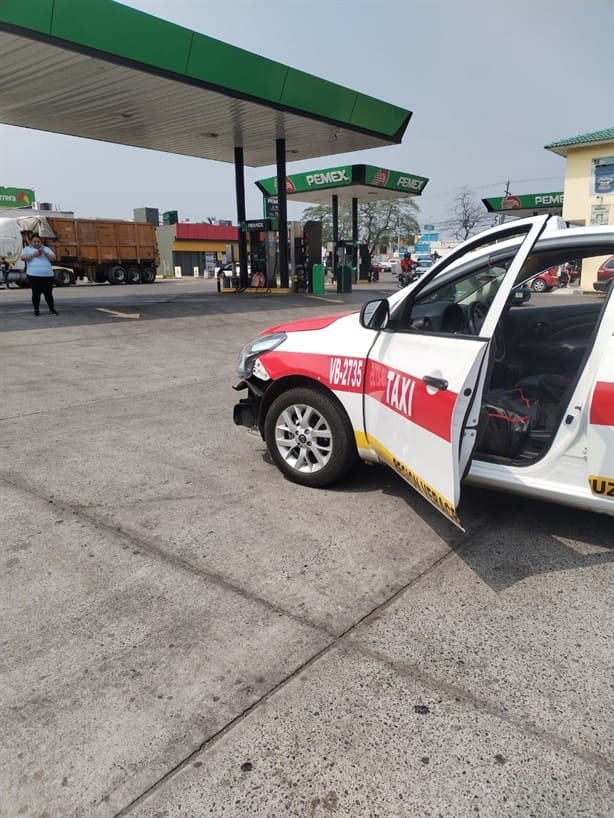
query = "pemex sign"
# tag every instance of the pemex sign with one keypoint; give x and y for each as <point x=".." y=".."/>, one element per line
<point x="315" y="179"/>
<point x="532" y="201"/>
<point x="367" y="176"/>
<point x="16" y="197"/>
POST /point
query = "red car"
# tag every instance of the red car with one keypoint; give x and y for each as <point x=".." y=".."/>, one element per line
<point x="605" y="276"/>
<point x="555" y="277"/>
<point x="546" y="280"/>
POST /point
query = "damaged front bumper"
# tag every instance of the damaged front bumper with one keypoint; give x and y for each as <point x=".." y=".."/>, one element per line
<point x="247" y="411"/>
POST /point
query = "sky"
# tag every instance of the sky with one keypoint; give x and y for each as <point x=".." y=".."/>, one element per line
<point x="489" y="83"/>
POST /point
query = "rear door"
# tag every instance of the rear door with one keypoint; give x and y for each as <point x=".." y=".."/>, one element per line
<point x="600" y="458"/>
<point x="425" y="375"/>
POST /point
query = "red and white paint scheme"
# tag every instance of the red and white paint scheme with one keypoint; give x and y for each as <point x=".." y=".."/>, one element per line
<point x="411" y="381"/>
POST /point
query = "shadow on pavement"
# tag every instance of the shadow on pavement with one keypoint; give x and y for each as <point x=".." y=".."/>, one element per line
<point x="507" y="539"/>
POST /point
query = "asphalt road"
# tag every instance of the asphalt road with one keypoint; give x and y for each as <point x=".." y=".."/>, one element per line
<point x="185" y="633"/>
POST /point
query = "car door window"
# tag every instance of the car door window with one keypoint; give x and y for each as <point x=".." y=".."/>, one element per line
<point x="458" y="306"/>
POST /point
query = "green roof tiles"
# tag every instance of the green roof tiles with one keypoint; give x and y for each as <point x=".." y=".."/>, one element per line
<point x="607" y="134"/>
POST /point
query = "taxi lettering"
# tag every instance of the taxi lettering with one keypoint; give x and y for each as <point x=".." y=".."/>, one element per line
<point x="400" y="392"/>
<point x="346" y="371"/>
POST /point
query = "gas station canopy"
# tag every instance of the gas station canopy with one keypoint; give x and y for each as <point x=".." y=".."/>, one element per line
<point x="104" y="71"/>
<point x="531" y="204"/>
<point x="347" y="182"/>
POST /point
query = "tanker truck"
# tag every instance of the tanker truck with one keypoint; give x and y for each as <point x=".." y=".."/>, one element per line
<point x="98" y="250"/>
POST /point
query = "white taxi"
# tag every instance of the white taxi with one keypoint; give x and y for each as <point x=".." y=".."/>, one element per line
<point x="446" y="381"/>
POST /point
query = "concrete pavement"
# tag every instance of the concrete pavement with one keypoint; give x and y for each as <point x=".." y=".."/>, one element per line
<point x="185" y="633"/>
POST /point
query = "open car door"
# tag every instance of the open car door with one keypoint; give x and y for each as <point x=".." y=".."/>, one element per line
<point x="426" y="370"/>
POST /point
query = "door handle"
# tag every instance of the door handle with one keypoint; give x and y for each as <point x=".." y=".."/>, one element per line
<point x="438" y="383"/>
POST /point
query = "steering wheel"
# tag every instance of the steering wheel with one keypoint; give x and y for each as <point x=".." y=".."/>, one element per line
<point x="477" y="314"/>
<point x="498" y="344"/>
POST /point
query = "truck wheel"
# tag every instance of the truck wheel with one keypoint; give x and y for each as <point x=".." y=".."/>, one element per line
<point x="133" y="275"/>
<point x="116" y="275"/>
<point x="62" y="278"/>
<point x="309" y="437"/>
<point x="148" y="275"/>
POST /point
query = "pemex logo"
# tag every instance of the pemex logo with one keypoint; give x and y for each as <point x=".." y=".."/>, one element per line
<point x="381" y="177"/>
<point x="511" y="203"/>
<point x="290" y="186"/>
<point x="23" y="198"/>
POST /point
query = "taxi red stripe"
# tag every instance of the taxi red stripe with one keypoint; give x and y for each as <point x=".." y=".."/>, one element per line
<point x="430" y="412"/>
<point x="341" y="373"/>
<point x="602" y="406"/>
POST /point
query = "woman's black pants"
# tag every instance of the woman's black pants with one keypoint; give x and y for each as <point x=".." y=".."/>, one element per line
<point x="41" y="285"/>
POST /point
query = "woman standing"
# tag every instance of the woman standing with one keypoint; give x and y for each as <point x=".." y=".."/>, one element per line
<point x="40" y="273"/>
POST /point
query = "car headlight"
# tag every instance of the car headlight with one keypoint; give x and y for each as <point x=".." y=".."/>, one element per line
<point x="250" y="352"/>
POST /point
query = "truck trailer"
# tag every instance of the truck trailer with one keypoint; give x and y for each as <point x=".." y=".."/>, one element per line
<point x="98" y="250"/>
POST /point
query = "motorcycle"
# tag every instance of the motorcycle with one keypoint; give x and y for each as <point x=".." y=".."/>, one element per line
<point x="405" y="278"/>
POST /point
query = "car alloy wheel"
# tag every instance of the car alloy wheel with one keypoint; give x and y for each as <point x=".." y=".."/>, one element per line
<point x="309" y="437"/>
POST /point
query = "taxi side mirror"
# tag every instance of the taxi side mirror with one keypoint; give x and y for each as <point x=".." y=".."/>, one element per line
<point x="375" y="314"/>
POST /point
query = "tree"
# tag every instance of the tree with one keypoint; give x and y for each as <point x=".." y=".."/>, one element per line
<point x="379" y="223"/>
<point x="467" y="214"/>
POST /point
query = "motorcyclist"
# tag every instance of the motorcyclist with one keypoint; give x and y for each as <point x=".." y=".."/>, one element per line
<point x="407" y="267"/>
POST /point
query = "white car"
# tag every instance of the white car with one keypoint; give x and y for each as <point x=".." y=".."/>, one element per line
<point x="445" y="380"/>
<point x="423" y="265"/>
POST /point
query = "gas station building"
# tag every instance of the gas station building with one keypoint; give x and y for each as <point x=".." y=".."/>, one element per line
<point x="588" y="194"/>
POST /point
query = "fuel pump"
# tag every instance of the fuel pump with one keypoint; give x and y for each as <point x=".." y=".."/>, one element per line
<point x="298" y="273"/>
<point x="364" y="263"/>
<point x="305" y="252"/>
<point x="262" y="251"/>
<point x="257" y="253"/>
<point x="312" y="243"/>
<point x="345" y="270"/>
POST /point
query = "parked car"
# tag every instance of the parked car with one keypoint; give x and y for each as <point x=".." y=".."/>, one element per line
<point x="605" y="276"/>
<point x="546" y="280"/>
<point x="230" y="269"/>
<point x="445" y="381"/>
<point x="558" y="276"/>
<point x="377" y="268"/>
<point x="393" y="265"/>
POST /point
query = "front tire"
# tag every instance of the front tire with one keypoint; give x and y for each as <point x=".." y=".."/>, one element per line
<point x="309" y="437"/>
<point x="538" y="285"/>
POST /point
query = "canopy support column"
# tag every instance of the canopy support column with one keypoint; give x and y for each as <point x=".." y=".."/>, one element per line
<point x="355" y="255"/>
<point x="335" y="214"/>
<point x="241" y="217"/>
<point x="280" y="153"/>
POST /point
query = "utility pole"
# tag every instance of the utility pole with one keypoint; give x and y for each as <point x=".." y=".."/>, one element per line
<point x="501" y="216"/>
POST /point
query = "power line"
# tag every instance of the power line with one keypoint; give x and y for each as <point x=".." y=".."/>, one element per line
<point x="500" y="183"/>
